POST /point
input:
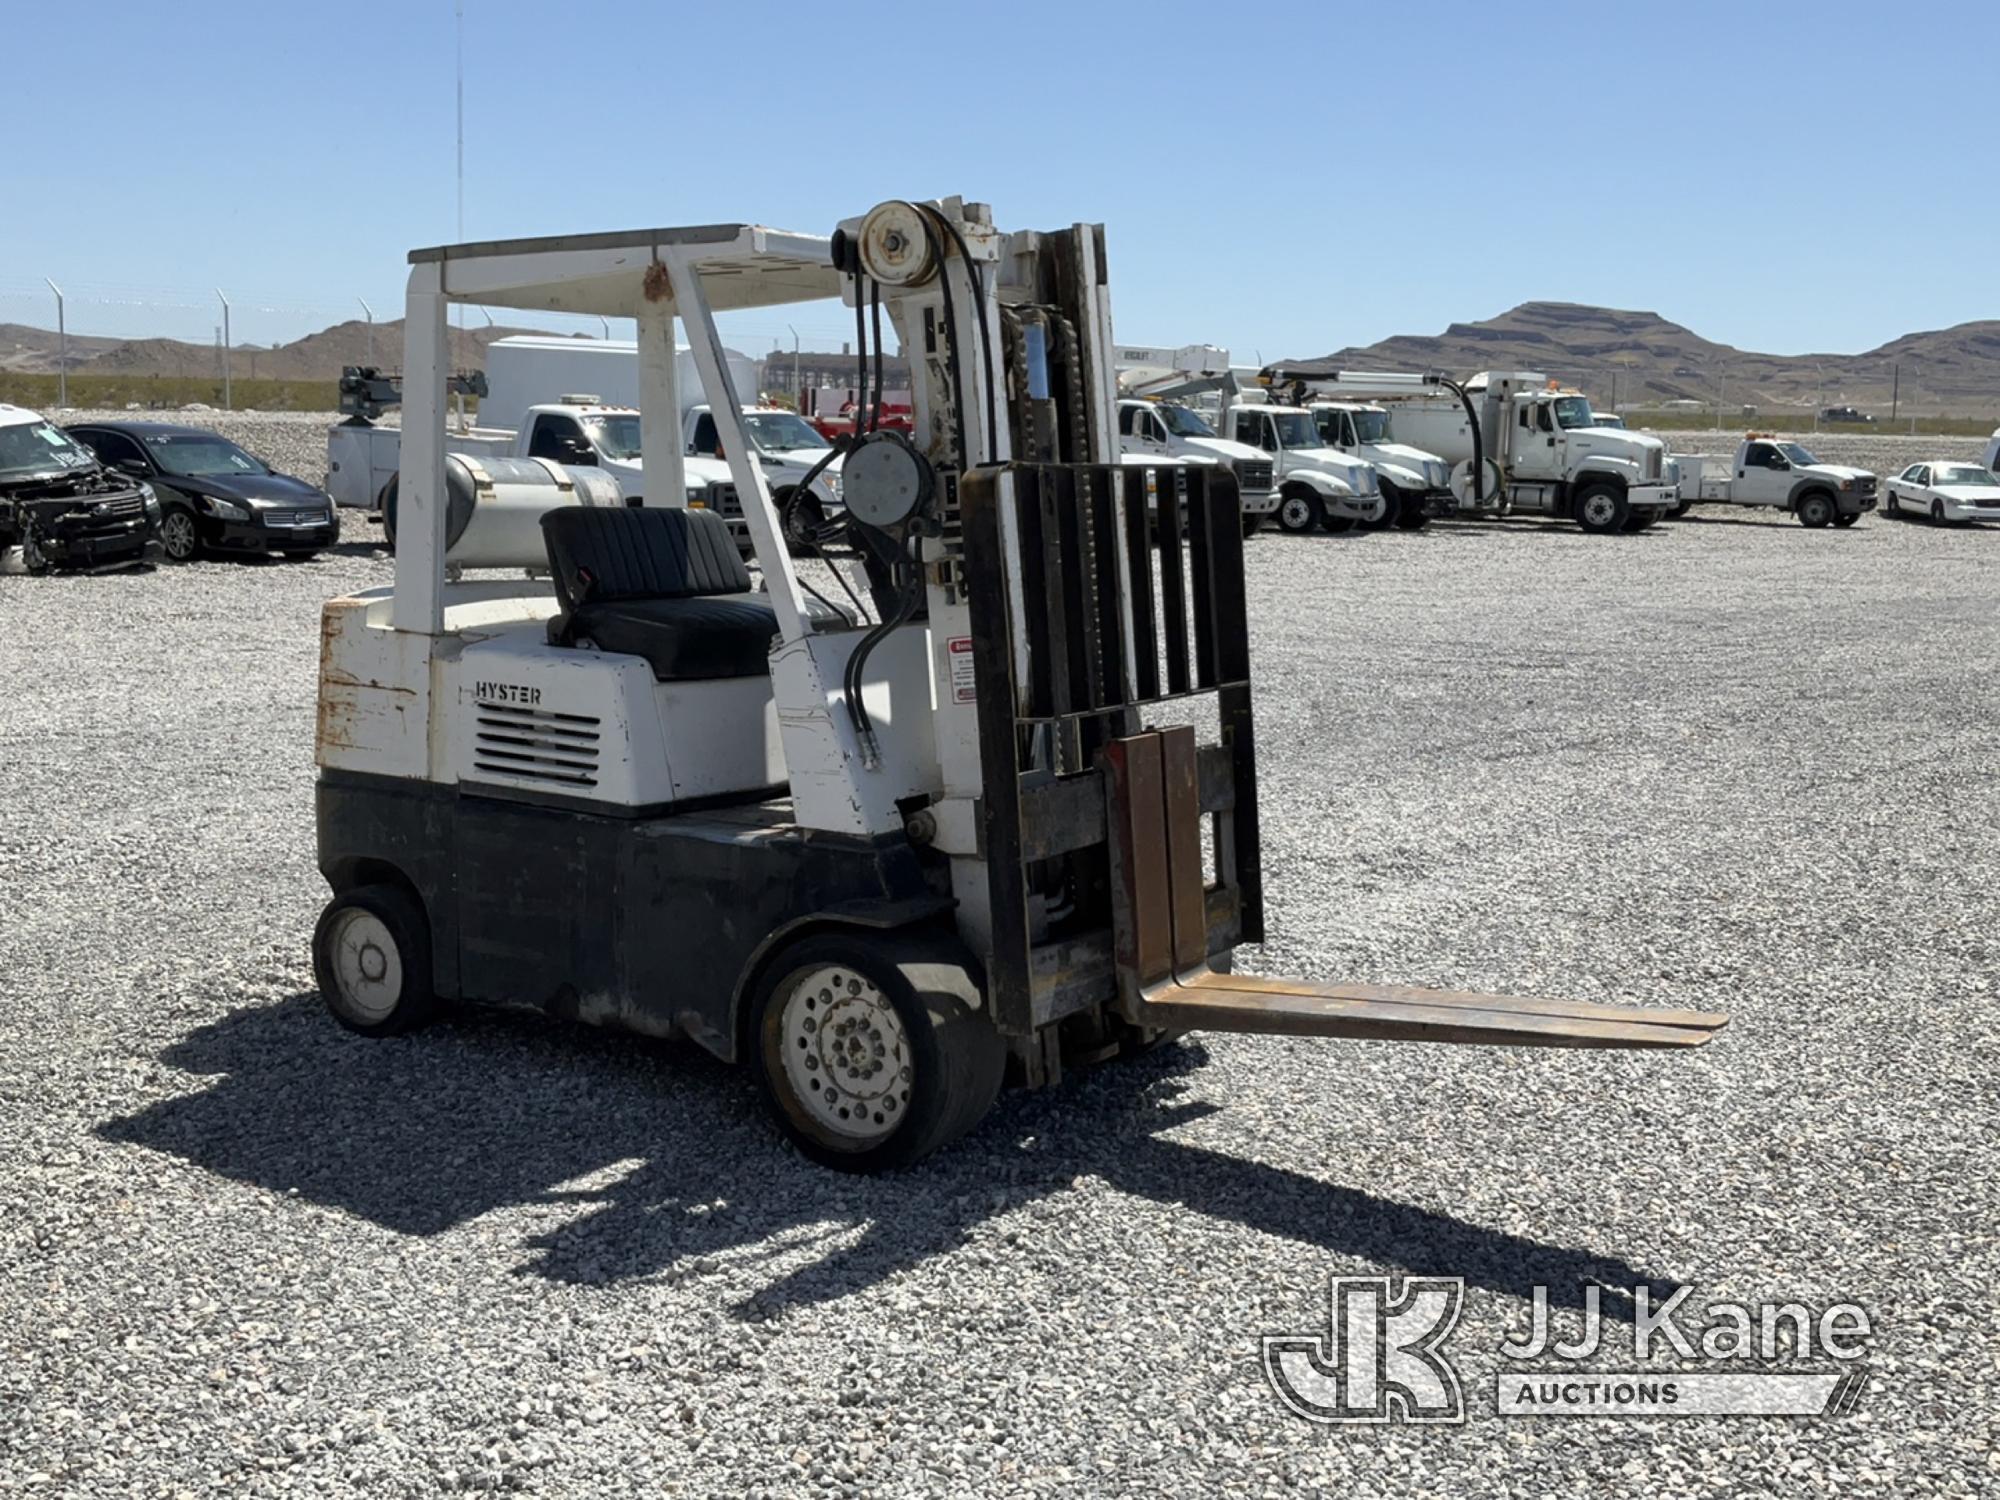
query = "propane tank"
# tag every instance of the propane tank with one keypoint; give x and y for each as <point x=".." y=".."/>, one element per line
<point x="494" y="507"/>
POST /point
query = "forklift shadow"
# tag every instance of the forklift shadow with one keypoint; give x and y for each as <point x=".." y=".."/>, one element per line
<point x="650" y="1161"/>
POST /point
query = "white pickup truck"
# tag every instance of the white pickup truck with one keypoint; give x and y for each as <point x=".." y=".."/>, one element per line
<point x="1149" y="431"/>
<point x="1772" y="472"/>
<point x="789" y="448"/>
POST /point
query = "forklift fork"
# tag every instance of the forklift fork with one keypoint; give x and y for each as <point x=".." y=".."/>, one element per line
<point x="1160" y="944"/>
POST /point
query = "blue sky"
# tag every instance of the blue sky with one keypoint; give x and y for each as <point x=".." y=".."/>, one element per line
<point x="1280" y="180"/>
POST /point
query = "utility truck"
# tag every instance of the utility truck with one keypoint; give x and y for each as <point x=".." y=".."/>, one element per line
<point x="1416" y="484"/>
<point x="1316" y="486"/>
<point x="1517" y="441"/>
<point x="883" y="855"/>
<point x="1150" y="427"/>
<point x="1772" y="472"/>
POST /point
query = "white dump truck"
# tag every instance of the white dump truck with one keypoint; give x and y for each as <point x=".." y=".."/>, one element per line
<point x="1778" y="474"/>
<point x="1517" y="441"/>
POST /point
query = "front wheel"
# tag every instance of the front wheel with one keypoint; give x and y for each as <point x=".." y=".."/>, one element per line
<point x="1682" y="508"/>
<point x="178" y="536"/>
<point x="372" y="957"/>
<point x="1300" y="511"/>
<point x="1602" y="509"/>
<point x="1252" y="524"/>
<point x="1410" y="513"/>
<point x="874" y="1051"/>
<point x="1846" y="520"/>
<point x="1937" y="512"/>
<point x="1385" y="513"/>
<point x="1815" y="510"/>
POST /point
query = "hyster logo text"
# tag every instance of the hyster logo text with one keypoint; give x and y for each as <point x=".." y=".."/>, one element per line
<point x="507" y="692"/>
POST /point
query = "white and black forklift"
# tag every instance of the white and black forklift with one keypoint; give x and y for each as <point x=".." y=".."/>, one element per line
<point x="889" y="826"/>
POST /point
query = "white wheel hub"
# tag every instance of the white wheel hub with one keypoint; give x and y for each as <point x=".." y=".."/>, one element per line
<point x="846" y="1054"/>
<point x="1297" y="513"/>
<point x="1600" y="508"/>
<point x="366" y="965"/>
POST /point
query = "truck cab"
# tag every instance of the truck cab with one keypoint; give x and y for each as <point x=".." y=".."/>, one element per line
<point x="790" y="450"/>
<point x="1156" y="430"/>
<point x="1558" y="461"/>
<point x="1318" y="486"/>
<point x="1417" y="483"/>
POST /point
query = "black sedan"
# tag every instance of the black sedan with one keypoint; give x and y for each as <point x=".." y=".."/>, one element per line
<point x="214" y="497"/>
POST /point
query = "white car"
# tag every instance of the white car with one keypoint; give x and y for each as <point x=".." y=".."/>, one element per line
<point x="1956" y="492"/>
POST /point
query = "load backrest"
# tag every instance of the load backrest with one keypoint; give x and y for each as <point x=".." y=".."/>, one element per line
<point x="598" y="554"/>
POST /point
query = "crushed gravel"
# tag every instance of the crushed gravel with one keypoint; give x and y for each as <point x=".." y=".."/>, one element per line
<point x="1726" y="763"/>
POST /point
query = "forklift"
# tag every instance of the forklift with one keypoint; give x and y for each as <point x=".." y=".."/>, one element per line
<point x="892" y="823"/>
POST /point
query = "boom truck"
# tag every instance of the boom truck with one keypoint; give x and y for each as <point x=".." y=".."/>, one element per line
<point x="886" y="853"/>
<point x="1517" y="441"/>
<point x="1150" y="428"/>
<point x="1317" y="487"/>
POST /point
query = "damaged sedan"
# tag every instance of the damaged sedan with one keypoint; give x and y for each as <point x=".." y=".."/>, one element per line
<point x="63" y="508"/>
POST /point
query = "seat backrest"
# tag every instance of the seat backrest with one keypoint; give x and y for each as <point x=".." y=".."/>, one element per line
<point x="601" y="553"/>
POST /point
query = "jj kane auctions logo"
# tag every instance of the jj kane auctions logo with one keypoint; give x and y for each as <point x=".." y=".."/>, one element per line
<point x="1382" y="1358"/>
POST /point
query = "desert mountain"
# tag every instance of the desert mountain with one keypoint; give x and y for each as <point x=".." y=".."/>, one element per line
<point x="317" y="356"/>
<point x="1953" y="369"/>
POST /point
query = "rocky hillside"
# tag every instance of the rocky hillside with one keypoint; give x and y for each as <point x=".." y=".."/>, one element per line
<point x="317" y="356"/>
<point x="1953" y="369"/>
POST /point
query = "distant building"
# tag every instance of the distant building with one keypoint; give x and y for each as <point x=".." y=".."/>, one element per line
<point x="817" y="369"/>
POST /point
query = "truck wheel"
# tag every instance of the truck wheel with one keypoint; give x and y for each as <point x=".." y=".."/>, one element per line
<point x="1387" y="515"/>
<point x="1410" y="512"/>
<point x="1601" y="508"/>
<point x="1847" y="520"/>
<point x="372" y="957"/>
<point x="1252" y="525"/>
<point x="179" y="536"/>
<point x="1682" y="508"/>
<point x="1300" y="511"/>
<point x="1815" y="509"/>
<point x="874" y="1051"/>
<point x="1640" y="520"/>
<point x="1336" y="524"/>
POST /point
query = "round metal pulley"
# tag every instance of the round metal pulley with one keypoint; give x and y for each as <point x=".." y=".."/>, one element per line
<point x="885" y="481"/>
<point x="895" y="249"/>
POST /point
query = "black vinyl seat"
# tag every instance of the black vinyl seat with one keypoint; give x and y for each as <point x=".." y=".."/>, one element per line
<point x="663" y="583"/>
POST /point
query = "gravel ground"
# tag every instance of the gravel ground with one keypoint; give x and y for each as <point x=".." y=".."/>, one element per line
<point x="1726" y="763"/>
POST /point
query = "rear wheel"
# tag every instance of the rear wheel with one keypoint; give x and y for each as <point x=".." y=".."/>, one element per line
<point x="372" y="957"/>
<point x="874" y="1051"/>
<point x="1682" y="508"/>
<point x="1815" y="509"/>
<point x="1601" y="508"/>
<point x="1300" y="511"/>
<point x="1889" y="505"/>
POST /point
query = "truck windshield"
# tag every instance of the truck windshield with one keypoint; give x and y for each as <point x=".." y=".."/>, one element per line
<point x="616" y="437"/>
<point x="1296" y="430"/>
<point x="39" y="448"/>
<point x="775" y="431"/>
<point x="1573" y="411"/>
<point x="1797" y="453"/>
<point x="1183" y="423"/>
<point x="1371" y="427"/>
<point x="195" y="454"/>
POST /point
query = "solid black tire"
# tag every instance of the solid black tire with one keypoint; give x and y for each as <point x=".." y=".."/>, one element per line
<point x="1682" y="508"/>
<point x="301" y="554"/>
<point x="1815" y="509"/>
<point x="1313" y="511"/>
<point x="1329" y="522"/>
<point x="1619" y="516"/>
<point x="1410" y="514"/>
<point x="1846" y="520"/>
<point x="1937" y="512"/>
<point x="403" y="915"/>
<point x="1252" y="525"/>
<point x="1392" y="506"/>
<point x="958" y="1058"/>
